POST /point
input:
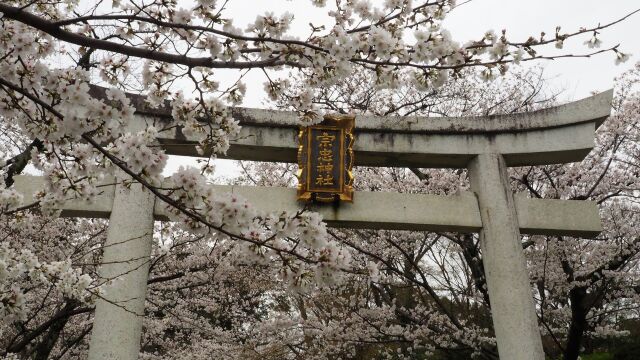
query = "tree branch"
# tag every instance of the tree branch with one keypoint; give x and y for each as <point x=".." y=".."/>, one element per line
<point x="57" y="32"/>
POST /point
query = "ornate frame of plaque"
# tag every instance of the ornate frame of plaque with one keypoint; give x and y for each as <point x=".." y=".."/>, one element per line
<point x="325" y="160"/>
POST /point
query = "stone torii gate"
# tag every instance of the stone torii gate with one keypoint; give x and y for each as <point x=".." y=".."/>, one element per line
<point x="485" y="146"/>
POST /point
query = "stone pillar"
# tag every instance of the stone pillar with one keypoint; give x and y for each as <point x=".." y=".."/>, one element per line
<point x="512" y="307"/>
<point x="117" y="324"/>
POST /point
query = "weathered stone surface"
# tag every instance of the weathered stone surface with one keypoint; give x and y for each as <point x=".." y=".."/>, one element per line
<point x="118" y="317"/>
<point x="550" y="136"/>
<point x="380" y="210"/>
<point x="512" y="309"/>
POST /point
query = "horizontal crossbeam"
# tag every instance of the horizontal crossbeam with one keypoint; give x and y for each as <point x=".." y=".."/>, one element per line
<point x="378" y="210"/>
<point x="551" y="136"/>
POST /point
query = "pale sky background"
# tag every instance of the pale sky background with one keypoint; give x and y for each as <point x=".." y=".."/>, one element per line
<point x="521" y="18"/>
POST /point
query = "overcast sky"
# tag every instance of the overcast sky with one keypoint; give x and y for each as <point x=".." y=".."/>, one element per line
<point x="521" y="18"/>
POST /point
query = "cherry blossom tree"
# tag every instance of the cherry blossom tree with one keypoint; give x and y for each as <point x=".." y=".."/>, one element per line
<point x="53" y="52"/>
<point x="407" y="295"/>
<point x="47" y="284"/>
<point x="442" y="275"/>
<point x="583" y="283"/>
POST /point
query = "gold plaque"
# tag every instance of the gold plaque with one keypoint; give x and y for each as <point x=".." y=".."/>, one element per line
<point x="325" y="160"/>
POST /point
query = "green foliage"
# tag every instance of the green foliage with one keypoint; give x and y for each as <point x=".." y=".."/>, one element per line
<point x="451" y="355"/>
<point x="598" y="356"/>
<point x="627" y="351"/>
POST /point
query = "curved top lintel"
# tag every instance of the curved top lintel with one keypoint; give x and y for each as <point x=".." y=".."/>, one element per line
<point x="592" y="109"/>
<point x="595" y="108"/>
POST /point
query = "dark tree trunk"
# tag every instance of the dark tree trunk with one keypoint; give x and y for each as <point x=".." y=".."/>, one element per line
<point x="50" y="339"/>
<point x="49" y="331"/>
<point x="578" y="324"/>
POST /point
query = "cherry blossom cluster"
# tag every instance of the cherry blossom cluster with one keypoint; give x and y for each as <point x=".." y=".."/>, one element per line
<point x="10" y="199"/>
<point x="212" y="135"/>
<point x="298" y="240"/>
<point x="47" y="272"/>
<point x="19" y="268"/>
